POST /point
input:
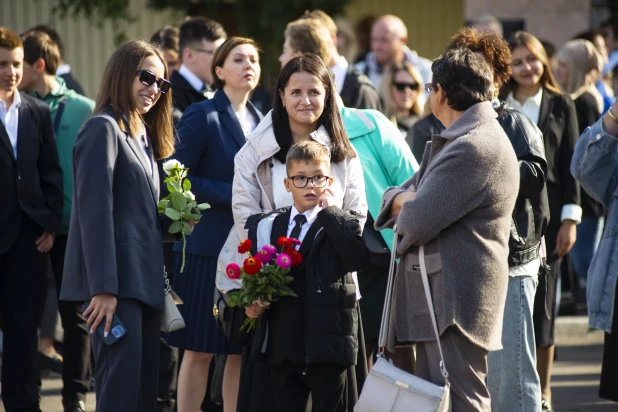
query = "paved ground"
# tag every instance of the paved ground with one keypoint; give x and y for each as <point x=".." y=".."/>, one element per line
<point x="575" y="377"/>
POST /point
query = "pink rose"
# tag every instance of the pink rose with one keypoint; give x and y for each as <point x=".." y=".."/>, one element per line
<point x="233" y="271"/>
<point x="264" y="256"/>
<point x="270" y="249"/>
<point x="284" y="261"/>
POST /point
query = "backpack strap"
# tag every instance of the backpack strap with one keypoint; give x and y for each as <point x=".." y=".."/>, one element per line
<point x="59" y="112"/>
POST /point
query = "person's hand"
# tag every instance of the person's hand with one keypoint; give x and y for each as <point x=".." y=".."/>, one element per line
<point x="101" y="306"/>
<point x="567" y="234"/>
<point x="255" y="310"/>
<point x="399" y="200"/>
<point x="327" y="199"/>
<point x="45" y="242"/>
<point x="192" y="224"/>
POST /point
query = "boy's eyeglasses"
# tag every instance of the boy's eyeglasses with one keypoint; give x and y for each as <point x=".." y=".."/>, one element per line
<point x="148" y="78"/>
<point x="300" y="181"/>
<point x="402" y="86"/>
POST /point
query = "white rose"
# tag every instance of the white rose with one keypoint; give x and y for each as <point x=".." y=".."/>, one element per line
<point x="171" y="164"/>
<point x="190" y="194"/>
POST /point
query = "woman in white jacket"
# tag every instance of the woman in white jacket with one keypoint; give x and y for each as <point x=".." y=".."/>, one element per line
<point x="305" y="108"/>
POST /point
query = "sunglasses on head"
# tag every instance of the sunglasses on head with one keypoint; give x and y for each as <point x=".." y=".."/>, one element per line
<point x="402" y="86"/>
<point x="148" y="78"/>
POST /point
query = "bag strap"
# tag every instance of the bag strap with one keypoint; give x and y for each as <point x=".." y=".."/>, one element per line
<point x="59" y="112"/>
<point x="389" y="297"/>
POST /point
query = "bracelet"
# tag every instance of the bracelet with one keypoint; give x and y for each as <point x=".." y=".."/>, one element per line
<point x="612" y="115"/>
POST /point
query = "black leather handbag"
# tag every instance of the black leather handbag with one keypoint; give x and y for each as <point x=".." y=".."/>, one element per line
<point x="230" y="318"/>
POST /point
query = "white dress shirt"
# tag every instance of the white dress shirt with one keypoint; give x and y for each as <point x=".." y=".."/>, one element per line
<point x="340" y="70"/>
<point x="310" y="214"/>
<point x="10" y="119"/>
<point x="532" y="109"/>
<point x="193" y="80"/>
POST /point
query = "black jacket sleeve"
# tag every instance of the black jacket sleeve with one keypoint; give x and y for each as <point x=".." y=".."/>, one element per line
<point x="344" y="232"/>
<point x="587" y="111"/>
<point x="527" y="141"/>
<point x="570" y="187"/>
<point x="358" y="92"/>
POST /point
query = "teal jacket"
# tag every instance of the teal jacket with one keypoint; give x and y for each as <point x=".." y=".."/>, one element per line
<point x="385" y="156"/>
<point x="76" y="109"/>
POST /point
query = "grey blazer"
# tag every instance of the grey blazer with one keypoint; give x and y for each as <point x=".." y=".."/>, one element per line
<point x="115" y="235"/>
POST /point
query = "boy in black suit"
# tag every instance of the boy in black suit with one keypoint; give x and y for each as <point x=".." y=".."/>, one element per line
<point x="312" y="339"/>
<point x="31" y="202"/>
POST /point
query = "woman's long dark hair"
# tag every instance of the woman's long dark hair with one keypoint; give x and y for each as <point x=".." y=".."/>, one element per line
<point x="116" y="88"/>
<point x="340" y="147"/>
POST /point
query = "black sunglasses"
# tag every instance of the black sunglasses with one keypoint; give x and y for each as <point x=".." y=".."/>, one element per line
<point x="402" y="86"/>
<point x="148" y="78"/>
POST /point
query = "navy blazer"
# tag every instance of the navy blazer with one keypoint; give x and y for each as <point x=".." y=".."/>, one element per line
<point x="209" y="136"/>
<point x="115" y="236"/>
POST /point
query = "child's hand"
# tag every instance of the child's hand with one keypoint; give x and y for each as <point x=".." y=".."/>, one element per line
<point x="327" y="199"/>
<point x="255" y="311"/>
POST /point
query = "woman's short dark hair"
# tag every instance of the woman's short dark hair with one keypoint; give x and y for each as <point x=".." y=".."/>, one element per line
<point x="117" y="86"/>
<point x="221" y="53"/>
<point x="340" y="147"/>
<point x="465" y="78"/>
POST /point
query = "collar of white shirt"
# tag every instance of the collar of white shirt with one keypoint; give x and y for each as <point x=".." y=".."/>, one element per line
<point x="534" y="101"/>
<point x="193" y="80"/>
<point x="16" y="102"/>
<point x="310" y="214"/>
<point x="63" y="69"/>
<point x="339" y="71"/>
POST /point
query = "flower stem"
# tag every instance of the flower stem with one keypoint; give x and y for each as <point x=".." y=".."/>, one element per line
<point x="184" y="245"/>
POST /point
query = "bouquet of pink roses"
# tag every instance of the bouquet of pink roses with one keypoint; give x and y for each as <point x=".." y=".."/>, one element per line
<point x="264" y="275"/>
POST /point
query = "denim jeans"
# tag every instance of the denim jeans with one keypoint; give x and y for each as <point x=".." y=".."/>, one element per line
<point x="512" y="378"/>
<point x="589" y="233"/>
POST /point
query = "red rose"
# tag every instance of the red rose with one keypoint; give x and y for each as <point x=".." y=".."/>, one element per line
<point x="252" y="266"/>
<point x="284" y="241"/>
<point x="295" y="241"/>
<point x="295" y="255"/>
<point x="245" y="246"/>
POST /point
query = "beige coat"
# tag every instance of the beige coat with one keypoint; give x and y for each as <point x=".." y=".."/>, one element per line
<point x="252" y="190"/>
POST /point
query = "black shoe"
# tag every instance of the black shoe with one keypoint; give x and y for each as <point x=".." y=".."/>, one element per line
<point x="546" y="405"/>
<point x="51" y="363"/>
<point x="78" y="406"/>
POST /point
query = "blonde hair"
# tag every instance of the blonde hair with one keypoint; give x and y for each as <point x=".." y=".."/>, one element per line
<point x="310" y="35"/>
<point x="585" y="64"/>
<point x="386" y="89"/>
<point x="116" y="88"/>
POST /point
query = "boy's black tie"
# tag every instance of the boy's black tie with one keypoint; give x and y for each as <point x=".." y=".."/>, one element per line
<point x="300" y="220"/>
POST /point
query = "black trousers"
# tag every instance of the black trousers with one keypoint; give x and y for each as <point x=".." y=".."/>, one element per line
<point x="23" y="286"/>
<point x="76" y="347"/>
<point x="127" y="372"/>
<point x="293" y="383"/>
<point x="168" y="377"/>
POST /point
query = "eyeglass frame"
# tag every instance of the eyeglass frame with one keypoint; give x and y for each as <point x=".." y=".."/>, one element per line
<point x="199" y="49"/>
<point x="312" y="179"/>
<point x="159" y="82"/>
<point x="430" y="86"/>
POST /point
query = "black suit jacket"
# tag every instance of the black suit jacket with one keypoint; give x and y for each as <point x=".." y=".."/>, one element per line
<point x="558" y="122"/>
<point x="183" y="94"/>
<point x="358" y="92"/>
<point x="32" y="183"/>
<point x="115" y="237"/>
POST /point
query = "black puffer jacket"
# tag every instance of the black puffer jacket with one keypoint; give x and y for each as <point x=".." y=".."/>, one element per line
<point x="531" y="213"/>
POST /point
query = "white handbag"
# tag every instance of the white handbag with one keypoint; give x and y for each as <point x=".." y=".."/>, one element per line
<point x="388" y="388"/>
<point x="171" y="319"/>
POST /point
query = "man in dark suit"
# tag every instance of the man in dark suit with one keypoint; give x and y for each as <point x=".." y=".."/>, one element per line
<point x="31" y="213"/>
<point x="199" y="38"/>
<point x="64" y="70"/>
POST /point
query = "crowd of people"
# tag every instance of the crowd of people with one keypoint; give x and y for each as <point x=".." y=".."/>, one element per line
<point x="494" y="166"/>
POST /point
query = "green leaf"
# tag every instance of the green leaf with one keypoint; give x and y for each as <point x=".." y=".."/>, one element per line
<point x="196" y="218"/>
<point x="178" y="201"/>
<point x="175" y="227"/>
<point x="172" y="214"/>
<point x="186" y="228"/>
<point x="203" y="206"/>
<point x="175" y="186"/>
<point x="187" y="209"/>
<point x="186" y="184"/>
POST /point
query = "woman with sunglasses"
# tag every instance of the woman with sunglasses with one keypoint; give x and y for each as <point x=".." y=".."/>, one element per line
<point x="114" y="257"/>
<point x="399" y="92"/>
<point x="533" y="91"/>
<point x="210" y="133"/>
